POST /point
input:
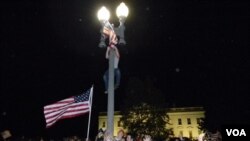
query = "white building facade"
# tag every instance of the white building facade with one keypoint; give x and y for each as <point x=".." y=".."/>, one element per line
<point x="183" y="121"/>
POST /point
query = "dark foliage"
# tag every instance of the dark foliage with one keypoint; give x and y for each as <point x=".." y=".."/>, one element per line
<point x="143" y="111"/>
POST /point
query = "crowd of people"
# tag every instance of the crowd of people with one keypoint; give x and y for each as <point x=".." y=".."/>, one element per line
<point x="121" y="136"/>
<point x="108" y="136"/>
<point x="23" y="138"/>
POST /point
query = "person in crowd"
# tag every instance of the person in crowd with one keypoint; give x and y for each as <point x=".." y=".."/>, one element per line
<point x="147" y="138"/>
<point x="108" y="136"/>
<point x="100" y="135"/>
<point x="129" y="137"/>
<point x="120" y="136"/>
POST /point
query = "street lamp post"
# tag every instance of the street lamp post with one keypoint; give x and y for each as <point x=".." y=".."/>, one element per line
<point x="103" y="16"/>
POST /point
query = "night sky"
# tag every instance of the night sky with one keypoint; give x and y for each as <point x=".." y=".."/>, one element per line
<point x="197" y="52"/>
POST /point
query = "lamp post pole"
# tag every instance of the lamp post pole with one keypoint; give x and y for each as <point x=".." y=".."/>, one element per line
<point x="111" y="97"/>
<point x="103" y="16"/>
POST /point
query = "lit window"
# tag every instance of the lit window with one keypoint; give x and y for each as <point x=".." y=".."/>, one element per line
<point x="103" y="124"/>
<point x="190" y="134"/>
<point x="119" y="123"/>
<point x="188" y="121"/>
<point x="179" y="122"/>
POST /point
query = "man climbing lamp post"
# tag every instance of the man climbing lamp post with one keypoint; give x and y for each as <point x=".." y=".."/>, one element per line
<point x="103" y="16"/>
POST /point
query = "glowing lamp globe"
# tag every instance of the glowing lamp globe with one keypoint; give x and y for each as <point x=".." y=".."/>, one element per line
<point x="122" y="10"/>
<point x="103" y="14"/>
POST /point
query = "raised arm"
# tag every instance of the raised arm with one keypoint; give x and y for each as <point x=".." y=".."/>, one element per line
<point x="107" y="53"/>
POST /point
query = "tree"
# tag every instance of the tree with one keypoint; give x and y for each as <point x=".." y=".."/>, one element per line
<point x="201" y="125"/>
<point x="143" y="111"/>
<point x="208" y="124"/>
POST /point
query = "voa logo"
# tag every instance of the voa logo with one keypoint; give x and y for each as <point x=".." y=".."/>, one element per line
<point x="236" y="132"/>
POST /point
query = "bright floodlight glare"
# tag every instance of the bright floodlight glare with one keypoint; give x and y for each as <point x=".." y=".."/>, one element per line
<point x="103" y="14"/>
<point x="122" y="10"/>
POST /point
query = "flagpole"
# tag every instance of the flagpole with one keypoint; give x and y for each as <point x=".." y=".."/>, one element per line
<point x="90" y="109"/>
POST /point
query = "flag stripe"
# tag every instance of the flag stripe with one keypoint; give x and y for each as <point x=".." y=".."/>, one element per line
<point x="111" y="33"/>
<point x="71" y="108"/>
<point x="55" y="115"/>
<point x="60" y="103"/>
<point x="47" y="112"/>
<point x="66" y="115"/>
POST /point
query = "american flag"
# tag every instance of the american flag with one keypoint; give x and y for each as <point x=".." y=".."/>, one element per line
<point x="109" y="31"/>
<point x="68" y="108"/>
